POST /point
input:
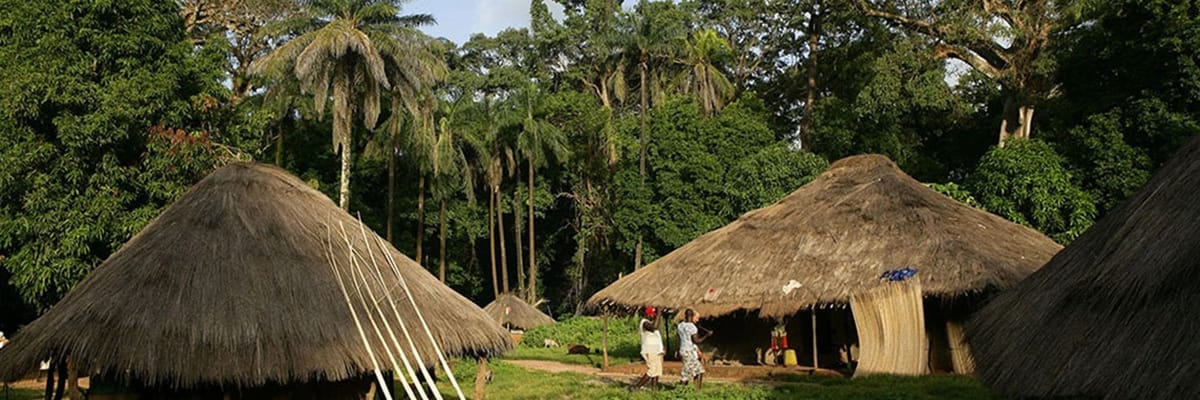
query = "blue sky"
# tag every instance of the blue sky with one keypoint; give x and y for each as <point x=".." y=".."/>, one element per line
<point x="458" y="19"/>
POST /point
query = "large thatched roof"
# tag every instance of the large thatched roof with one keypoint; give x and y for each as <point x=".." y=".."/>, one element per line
<point x="511" y="311"/>
<point x="834" y="237"/>
<point x="1115" y="315"/>
<point x="232" y="285"/>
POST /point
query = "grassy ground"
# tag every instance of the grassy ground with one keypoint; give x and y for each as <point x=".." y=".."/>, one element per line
<point x="21" y="394"/>
<point x="511" y="382"/>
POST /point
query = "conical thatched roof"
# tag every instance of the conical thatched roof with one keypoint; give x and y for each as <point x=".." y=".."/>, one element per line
<point x="1116" y="314"/>
<point x="511" y="311"/>
<point x="231" y="285"/>
<point x="834" y="237"/>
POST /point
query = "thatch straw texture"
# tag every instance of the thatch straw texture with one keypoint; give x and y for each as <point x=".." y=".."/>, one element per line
<point x="1114" y="315"/>
<point x="891" y="330"/>
<point x="831" y="239"/>
<point x="512" y="312"/>
<point x="232" y="285"/>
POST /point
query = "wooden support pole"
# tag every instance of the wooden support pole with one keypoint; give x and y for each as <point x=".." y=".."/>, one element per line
<point x="604" y="342"/>
<point x="814" y="337"/>
<point x="481" y="378"/>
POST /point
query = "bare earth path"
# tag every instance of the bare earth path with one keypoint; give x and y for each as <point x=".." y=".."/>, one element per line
<point x="669" y="376"/>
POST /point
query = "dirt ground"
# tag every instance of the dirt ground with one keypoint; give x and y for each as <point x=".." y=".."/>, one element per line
<point x="733" y="373"/>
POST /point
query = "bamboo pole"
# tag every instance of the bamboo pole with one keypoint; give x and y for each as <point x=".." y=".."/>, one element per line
<point x="387" y="294"/>
<point x="354" y="314"/>
<point x="814" y="338"/>
<point x="361" y="276"/>
<point x="436" y="348"/>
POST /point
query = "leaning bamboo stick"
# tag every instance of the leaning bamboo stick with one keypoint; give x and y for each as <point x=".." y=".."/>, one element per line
<point x="395" y="310"/>
<point x="354" y="314"/>
<point x="359" y="284"/>
<point x="437" y="349"/>
<point x="358" y="270"/>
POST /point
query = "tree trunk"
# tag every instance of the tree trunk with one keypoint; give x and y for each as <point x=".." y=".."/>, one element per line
<point x="500" y="230"/>
<point x="518" y="239"/>
<point x="279" y="147"/>
<point x="442" y="243"/>
<point x="390" y="210"/>
<point x="420" y="218"/>
<point x="1018" y="119"/>
<point x="492" y="242"/>
<point x="810" y="100"/>
<point x="344" y="191"/>
<point x="342" y="135"/>
<point x="637" y="251"/>
<point x="531" y="294"/>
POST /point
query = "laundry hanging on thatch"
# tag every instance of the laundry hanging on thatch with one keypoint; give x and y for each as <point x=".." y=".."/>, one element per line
<point x="232" y="288"/>
<point x="829" y="241"/>
<point x="513" y="313"/>
<point x="1115" y="314"/>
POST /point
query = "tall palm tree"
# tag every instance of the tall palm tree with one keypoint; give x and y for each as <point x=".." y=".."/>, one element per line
<point x="413" y="76"/>
<point x="494" y="159"/>
<point x="343" y="46"/>
<point x="702" y="77"/>
<point x="538" y="141"/>
<point x="656" y="34"/>
<point x="451" y="172"/>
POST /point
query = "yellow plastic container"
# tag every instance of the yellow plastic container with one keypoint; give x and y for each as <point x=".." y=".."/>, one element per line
<point x="789" y="358"/>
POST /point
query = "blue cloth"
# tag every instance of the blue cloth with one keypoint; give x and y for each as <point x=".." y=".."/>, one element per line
<point x="897" y="275"/>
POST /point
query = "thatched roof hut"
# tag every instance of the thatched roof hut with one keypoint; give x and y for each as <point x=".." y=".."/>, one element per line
<point x="831" y="239"/>
<point x="232" y="286"/>
<point x="827" y="244"/>
<point x="512" y="312"/>
<point x="1114" y="315"/>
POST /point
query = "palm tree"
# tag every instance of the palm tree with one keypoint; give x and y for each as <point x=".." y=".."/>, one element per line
<point x="702" y="77"/>
<point x="493" y="158"/>
<point x="656" y="35"/>
<point x="343" y="46"/>
<point x="451" y="172"/>
<point x="413" y="77"/>
<point x="537" y="142"/>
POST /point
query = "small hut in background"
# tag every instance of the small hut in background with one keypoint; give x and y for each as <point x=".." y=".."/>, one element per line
<point x="513" y="313"/>
<point x="516" y="315"/>
<point x="824" y="247"/>
<point x="1114" y="315"/>
<point x="231" y="293"/>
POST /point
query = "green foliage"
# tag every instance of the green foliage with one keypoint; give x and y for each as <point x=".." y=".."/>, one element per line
<point x="955" y="191"/>
<point x="770" y="174"/>
<point x="1028" y="183"/>
<point x="104" y="109"/>
<point x="623" y="339"/>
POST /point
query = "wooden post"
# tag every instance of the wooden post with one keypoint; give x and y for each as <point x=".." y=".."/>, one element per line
<point x="49" y="395"/>
<point x="814" y="337"/>
<point x="481" y="378"/>
<point x="604" y="342"/>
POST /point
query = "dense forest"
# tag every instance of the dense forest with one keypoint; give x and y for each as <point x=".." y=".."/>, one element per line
<point x="548" y="160"/>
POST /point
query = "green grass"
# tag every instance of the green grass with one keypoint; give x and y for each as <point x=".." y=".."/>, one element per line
<point x="512" y="382"/>
<point x="21" y="394"/>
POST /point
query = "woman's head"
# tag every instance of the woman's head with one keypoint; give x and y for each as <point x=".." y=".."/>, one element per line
<point x="690" y="315"/>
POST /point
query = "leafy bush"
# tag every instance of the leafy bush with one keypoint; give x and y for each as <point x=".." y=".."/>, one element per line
<point x="623" y="337"/>
<point x="1028" y="183"/>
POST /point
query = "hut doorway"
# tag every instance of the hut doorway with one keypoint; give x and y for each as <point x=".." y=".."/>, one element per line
<point x="743" y="338"/>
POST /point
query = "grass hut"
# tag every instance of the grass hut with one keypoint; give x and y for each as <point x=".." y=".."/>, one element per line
<point x="513" y="313"/>
<point x="1114" y="315"/>
<point x="231" y="292"/>
<point x="824" y="247"/>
